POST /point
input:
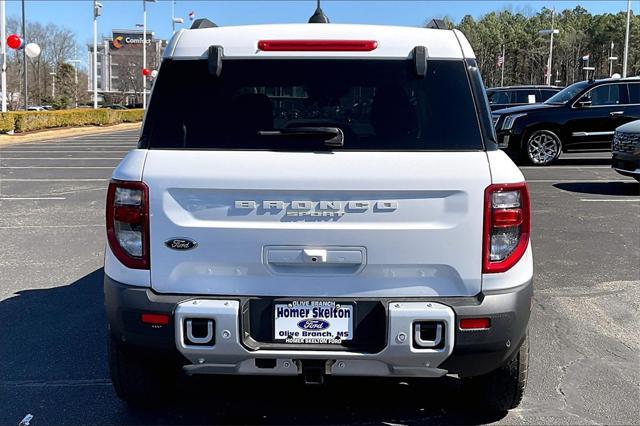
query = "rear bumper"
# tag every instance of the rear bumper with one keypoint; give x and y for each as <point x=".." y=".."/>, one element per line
<point x="464" y="352"/>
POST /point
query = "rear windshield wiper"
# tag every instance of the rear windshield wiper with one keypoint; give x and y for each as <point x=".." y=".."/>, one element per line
<point x="331" y="136"/>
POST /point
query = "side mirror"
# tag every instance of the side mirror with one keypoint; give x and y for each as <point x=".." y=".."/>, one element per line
<point x="583" y="103"/>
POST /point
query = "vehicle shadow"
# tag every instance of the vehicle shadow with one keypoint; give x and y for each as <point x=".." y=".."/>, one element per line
<point x="53" y="364"/>
<point x="601" y="188"/>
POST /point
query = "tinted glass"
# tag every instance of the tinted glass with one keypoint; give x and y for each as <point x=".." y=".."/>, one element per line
<point x="608" y="94"/>
<point x="634" y="93"/>
<point x="523" y="96"/>
<point x="566" y="94"/>
<point x="499" y="97"/>
<point x="546" y="94"/>
<point x="255" y="104"/>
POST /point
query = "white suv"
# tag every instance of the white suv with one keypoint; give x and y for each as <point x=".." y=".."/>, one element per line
<point x="318" y="200"/>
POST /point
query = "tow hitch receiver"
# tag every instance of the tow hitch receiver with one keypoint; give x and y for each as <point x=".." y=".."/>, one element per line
<point x="314" y="371"/>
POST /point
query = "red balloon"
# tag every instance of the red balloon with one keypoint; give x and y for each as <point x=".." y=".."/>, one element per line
<point x="146" y="71"/>
<point x="14" y="41"/>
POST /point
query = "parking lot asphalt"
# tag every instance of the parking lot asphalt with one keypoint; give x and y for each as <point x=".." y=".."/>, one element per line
<point x="585" y="326"/>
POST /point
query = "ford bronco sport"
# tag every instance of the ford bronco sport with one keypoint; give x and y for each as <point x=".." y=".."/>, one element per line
<point x="318" y="200"/>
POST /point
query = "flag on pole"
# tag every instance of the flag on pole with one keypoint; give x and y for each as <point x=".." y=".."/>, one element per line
<point x="192" y="15"/>
<point x="500" y="60"/>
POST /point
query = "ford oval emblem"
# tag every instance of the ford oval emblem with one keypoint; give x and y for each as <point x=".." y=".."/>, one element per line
<point x="180" y="244"/>
<point x="313" y="324"/>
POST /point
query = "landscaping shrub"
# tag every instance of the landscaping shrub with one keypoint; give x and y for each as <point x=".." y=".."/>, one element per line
<point x="21" y="121"/>
<point x="7" y="122"/>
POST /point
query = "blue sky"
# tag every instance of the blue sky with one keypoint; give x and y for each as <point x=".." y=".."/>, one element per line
<point x="77" y="14"/>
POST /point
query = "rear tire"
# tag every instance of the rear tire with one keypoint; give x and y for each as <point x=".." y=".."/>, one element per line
<point x="503" y="388"/>
<point x="542" y="147"/>
<point x="137" y="380"/>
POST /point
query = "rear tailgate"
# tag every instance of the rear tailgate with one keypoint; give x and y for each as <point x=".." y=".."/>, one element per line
<point x="379" y="223"/>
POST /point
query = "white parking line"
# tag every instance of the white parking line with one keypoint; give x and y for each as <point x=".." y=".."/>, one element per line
<point x="31" y="198"/>
<point x="39" y="151"/>
<point x="576" y="180"/>
<point x="612" y="200"/>
<point x="51" y="226"/>
<point x="563" y="167"/>
<point x="54" y="180"/>
<point x="56" y="167"/>
<point x="102" y="145"/>
<point x="60" y="158"/>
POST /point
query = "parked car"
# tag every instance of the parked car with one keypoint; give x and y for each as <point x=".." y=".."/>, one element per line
<point x="35" y="108"/>
<point x="626" y="150"/>
<point x="504" y="97"/>
<point x="582" y="116"/>
<point x="318" y="242"/>
<point x="114" y="106"/>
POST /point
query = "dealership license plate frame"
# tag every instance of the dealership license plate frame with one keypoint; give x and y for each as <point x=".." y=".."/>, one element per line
<point x="313" y="340"/>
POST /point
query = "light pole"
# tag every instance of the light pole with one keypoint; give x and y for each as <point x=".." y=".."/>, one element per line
<point x="174" y="20"/>
<point x="75" y="63"/>
<point x="97" y="11"/>
<point x="3" y="40"/>
<point x="24" y="60"/>
<point x="144" y="51"/>
<point x="53" y="84"/>
<point x="611" y="59"/>
<point x="551" y="33"/>
<point x="626" y="41"/>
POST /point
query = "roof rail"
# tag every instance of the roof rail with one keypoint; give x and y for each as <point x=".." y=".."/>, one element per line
<point x="437" y="24"/>
<point x="202" y="23"/>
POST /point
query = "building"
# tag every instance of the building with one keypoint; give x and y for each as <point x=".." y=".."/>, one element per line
<point x="120" y="65"/>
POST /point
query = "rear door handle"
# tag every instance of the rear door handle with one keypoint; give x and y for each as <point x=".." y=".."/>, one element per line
<point x="616" y="113"/>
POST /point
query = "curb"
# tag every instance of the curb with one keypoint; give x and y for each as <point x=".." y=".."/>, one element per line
<point x="64" y="132"/>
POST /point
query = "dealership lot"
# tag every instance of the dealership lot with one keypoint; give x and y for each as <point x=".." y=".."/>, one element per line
<point x="585" y="326"/>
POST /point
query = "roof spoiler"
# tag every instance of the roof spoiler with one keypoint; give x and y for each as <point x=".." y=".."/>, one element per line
<point x="214" y="58"/>
<point x="202" y="23"/>
<point x="437" y="24"/>
<point x="420" y="59"/>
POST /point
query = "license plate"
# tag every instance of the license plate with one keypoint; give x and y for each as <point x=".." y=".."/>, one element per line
<point x="313" y="322"/>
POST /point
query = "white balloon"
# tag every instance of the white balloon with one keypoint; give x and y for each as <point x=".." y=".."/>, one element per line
<point x="154" y="73"/>
<point x="32" y="50"/>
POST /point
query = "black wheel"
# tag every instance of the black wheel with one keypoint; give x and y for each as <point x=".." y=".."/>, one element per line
<point x="501" y="389"/>
<point x="542" y="147"/>
<point x="138" y="380"/>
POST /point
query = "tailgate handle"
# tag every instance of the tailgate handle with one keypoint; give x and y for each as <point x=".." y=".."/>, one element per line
<point x="308" y="257"/>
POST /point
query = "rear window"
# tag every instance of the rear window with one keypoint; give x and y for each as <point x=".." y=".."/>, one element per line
<point x="526" y="96"/>
<point x="634" y="93"/>
<point x="546" y="94"/>
<point x="255" y="104"/>
<point x="499" y="97"/>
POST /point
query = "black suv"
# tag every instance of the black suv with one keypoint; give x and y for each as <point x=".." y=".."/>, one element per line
<point x="582" y="116"/>
<point x="503" y="97"/>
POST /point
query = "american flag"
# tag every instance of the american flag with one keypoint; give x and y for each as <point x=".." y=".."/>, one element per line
<point x="500" y="60"/>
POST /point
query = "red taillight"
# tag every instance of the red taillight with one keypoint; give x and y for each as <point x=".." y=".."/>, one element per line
<point x="475" y="323"/>
<point x="507" y="222"/>
<point x="155" y="319"/>
<point x="128" y="223"/>
<point x="317" y="45"/>
<point x="505" y="218"/>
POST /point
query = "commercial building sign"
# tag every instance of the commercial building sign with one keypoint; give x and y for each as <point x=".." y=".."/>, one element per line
<point x="123" y="39"/>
